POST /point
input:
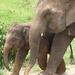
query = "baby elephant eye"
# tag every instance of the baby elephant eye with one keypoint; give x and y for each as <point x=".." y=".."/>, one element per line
<point x="13" y="39"/>
<point x="48" y="12"/>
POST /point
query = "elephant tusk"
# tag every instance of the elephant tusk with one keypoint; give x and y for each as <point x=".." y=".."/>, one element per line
<point x="41" y="34"/>
<point x="69" y="33"/>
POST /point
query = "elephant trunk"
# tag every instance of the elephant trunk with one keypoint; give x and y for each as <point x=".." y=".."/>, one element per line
<point x="6" y="52"/>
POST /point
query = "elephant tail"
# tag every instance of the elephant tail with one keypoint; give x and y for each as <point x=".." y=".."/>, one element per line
<point x="71" y="55"/>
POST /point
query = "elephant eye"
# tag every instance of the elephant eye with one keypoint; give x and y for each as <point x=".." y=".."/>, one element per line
<point x="47" y="16"/>
<point x="47" y="13"/>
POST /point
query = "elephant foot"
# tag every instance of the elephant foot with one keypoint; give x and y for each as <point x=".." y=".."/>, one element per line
<point x="46" y="73"/>
<point x="15" y="74"/>
<point x="60" y="71"/>
<point x="61" y="68"/>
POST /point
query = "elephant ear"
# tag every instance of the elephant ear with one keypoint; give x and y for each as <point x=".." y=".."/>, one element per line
<point x="70" y="16"/>
<point x="26" y="33"/>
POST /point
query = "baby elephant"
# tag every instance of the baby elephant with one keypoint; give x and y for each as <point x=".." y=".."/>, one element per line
<point x="17" y="37"/>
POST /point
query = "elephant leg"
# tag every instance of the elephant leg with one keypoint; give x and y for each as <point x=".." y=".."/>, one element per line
<point x="19" y="59"/>
<point x="59" y="46"/>
<point x="42" y="56"/>
<point x="61" y="68"/>
<point x="45" y="46"/>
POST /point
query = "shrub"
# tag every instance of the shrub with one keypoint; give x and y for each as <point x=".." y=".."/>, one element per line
<point x="2" y="37"/>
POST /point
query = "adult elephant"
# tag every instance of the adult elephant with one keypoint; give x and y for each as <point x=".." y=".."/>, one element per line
<point x="52" y="16"/>
<point x="17" y="38"/>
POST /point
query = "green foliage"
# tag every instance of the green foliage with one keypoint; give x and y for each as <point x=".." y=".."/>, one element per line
<point x="2" y="36"/>
<point x="2" y="72"/>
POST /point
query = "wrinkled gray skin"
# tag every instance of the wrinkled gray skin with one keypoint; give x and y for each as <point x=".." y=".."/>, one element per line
<point x="52" y="16"/>
<point x="17" y="38"/>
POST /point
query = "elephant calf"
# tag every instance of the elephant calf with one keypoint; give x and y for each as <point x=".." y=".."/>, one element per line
<point x="17" y="37"/>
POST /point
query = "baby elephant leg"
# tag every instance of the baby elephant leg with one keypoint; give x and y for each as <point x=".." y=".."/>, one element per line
<point x="61" y="68"/>
<point x="19" y="59"/>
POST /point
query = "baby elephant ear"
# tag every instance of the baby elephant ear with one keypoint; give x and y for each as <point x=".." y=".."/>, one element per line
<point x="26" y="33"/>
<point x="70" y="16"/>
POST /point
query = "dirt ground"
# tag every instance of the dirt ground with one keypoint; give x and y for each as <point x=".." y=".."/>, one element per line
<point x="70" y="71"/>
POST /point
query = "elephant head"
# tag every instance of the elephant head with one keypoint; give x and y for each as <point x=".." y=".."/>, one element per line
<point x="52" y="16"/>
<point x="15" y="39"/>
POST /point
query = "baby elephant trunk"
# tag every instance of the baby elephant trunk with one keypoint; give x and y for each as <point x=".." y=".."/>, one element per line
<point x="6" y="52"/>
